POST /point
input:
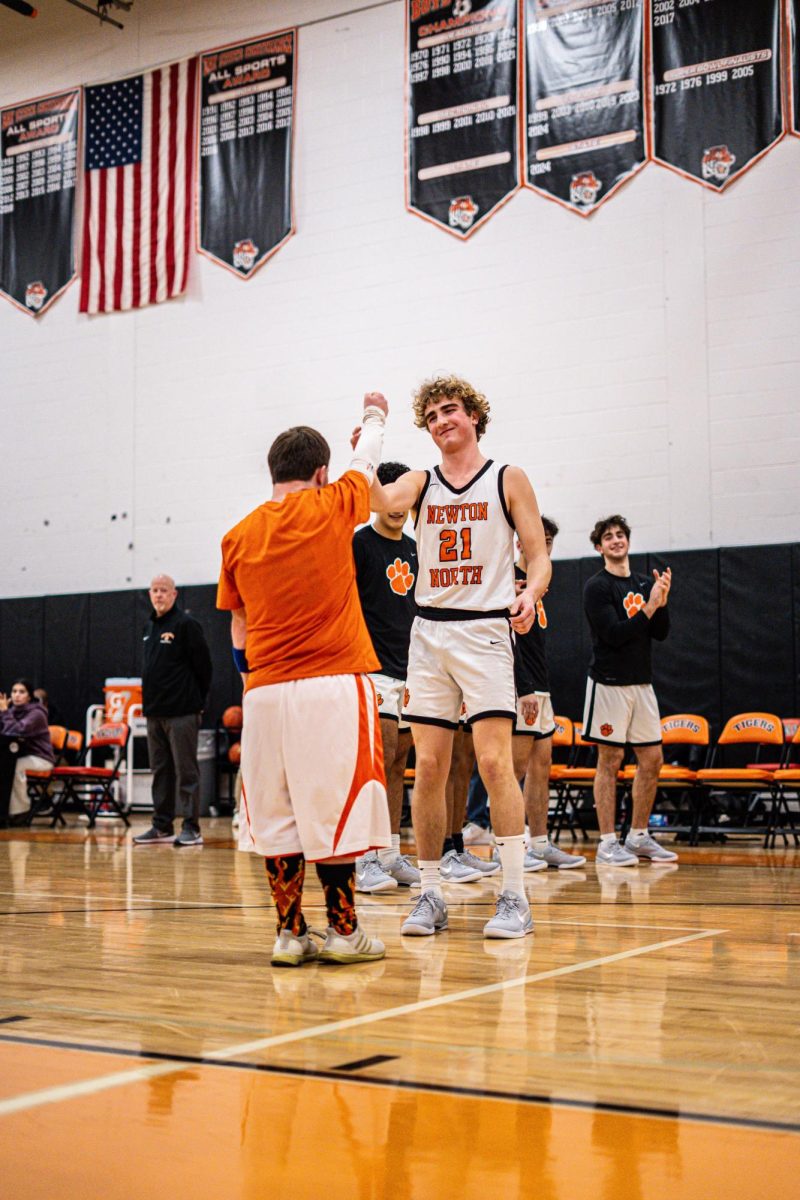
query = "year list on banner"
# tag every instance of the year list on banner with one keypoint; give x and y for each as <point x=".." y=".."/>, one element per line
<point x="584" y="117"/>
<point x="38" y="158"/>
<point x="717" y="86"/>
<point x="462" y="158"/>
<point x="245" y="176"/>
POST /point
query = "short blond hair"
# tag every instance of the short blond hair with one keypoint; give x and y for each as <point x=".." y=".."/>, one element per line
<point x="454" y="388"/>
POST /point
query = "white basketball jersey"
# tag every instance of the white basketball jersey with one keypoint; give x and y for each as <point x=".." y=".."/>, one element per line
<point x="465" y="543"/>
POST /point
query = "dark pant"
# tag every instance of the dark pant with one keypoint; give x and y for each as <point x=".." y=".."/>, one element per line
<point x="172" y="745"/>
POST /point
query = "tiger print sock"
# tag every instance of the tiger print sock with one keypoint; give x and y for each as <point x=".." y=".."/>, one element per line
<point x="338" y="881"/>
<point x="286" y="875"/>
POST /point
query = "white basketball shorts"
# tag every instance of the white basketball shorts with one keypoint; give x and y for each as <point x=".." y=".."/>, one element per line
<point x="621" y="716"/>
<point x="453" y="660"/>
<point x="390" y="693"/>
<point x="545" y="724"/>
<point x="312" y="769"/>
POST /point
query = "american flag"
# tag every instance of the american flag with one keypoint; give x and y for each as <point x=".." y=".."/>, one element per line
<point x="137" y="196"/>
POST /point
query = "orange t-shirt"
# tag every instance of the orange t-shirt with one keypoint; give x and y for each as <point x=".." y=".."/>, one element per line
<point x="289" y="564"/>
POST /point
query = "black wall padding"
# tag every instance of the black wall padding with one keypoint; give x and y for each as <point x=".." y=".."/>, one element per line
<point x="757" y="629"/>
<point x="734" y="645"/>
<point x="686" y="667"/>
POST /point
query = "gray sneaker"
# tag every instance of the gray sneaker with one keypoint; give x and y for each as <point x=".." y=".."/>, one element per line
<point x="428" y="916"/>
<point x="353" y="947"/>
<point x="486" y="866"/>
<point x="189" y="837"/>
<point x="292" y="950"/>
<point x="614" y="854"/>
<point x="551" y="856"/>
<point x="454" y="871"/>
<point x="152" y="837"/>
<point x="647" y="847"/>
<point x="371" y="877"/>
<point x="528" y="863"/>
<point x="512" y="918"/>
<point x="476" y="835"/>
<point x="403" y="870"/>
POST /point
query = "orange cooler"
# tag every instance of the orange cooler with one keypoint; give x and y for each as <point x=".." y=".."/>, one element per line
<point x="120" y="695"/>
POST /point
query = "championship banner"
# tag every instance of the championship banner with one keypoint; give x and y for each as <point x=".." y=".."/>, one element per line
<point x="584" y="91"/>
<point x="792" y="15"/>
<point x="246" y="123"/>
<point x="717" y="86"/>
<point x="38" y="155"/>
<point x="462" y="141"/>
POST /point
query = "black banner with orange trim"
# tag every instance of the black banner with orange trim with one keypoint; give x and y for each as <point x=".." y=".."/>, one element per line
<point x="584" y="90"/>
<point x="717" y="86"/>
<point x="793" y="69"/>
<point x="38" y="159"/>
<point x="462" y="138"/>
<point x="245" y="176"/>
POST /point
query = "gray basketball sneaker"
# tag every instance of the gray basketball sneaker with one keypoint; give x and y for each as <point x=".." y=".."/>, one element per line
<point x="614" y="854"/>
<point x="403" y="870"/>
<point x="486" y="866"/>
<point x="646" y="846"/>
<point x="428" y="916"/>
<point x="552" y="856"/>
<point x="371" y="877"/>
<point x="452" y="870"/>
<point x="529" y="863"/>
<point x="512" y="918"/>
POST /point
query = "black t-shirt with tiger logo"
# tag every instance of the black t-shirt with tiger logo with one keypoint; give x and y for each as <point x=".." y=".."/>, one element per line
<point x="621" y="632"/>
<point x="386" y="570"/>
<point x="530" y="659"/>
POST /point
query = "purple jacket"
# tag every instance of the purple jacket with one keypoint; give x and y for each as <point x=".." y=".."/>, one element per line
<point x="29" y="723"/>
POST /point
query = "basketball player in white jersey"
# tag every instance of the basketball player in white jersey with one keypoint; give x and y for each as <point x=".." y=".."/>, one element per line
<point x="467" y="511"/>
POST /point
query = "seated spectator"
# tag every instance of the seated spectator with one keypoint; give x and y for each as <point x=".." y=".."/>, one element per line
<point x="53" y="714"/>
<point x="23" y="717"/>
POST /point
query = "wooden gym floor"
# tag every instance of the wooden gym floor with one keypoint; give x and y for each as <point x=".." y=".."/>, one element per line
<point x="643" y="1043"/>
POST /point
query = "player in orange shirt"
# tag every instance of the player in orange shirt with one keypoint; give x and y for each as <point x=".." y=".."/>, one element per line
<point x="299" y="638"/>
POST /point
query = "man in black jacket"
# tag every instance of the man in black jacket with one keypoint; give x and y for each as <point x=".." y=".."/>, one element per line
<point x="176" y="676"/>
<point x="625" y="612"/>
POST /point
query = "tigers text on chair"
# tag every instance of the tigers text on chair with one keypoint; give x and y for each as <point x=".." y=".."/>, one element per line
<point x="723" y="787"/>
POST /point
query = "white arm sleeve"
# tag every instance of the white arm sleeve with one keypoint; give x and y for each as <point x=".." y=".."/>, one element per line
<point x="369" y="446"/>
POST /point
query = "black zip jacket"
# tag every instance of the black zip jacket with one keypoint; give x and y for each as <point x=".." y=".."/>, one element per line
<point x="176" y="671"/>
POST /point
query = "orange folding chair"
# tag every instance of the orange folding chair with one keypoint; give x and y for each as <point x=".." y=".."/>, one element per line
<point x="572" y="784"/>
<point x="722" y="783"/>
<point x="39" y="781"/>
<point x="685" y="738"/>
<point x="786" y="788"/>
<point x="91" y="787"/>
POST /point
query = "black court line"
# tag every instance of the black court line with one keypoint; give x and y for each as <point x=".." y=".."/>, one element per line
<point x="358" y="1064"/>
<point x="11" y="1020"/>
<point x="410" y="1085"/>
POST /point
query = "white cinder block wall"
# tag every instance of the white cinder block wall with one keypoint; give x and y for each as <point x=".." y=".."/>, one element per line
<point x="644" y="361"/>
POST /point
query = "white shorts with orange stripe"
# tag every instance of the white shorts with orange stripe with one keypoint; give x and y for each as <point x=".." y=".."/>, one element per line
<point x="312" y="769"/>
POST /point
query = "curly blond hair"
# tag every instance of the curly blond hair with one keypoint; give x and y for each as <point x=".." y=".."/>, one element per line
<point x="453" y="388"/>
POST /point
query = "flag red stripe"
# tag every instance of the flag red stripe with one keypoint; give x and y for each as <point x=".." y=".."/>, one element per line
<point x="101" y="239"/>
<point x="189" y="169"/>
<point x="173" y="154"/>
<point x="86" y="250"/>
<point x="155" y="135"/>
<point x="119" y="218"/>
<point x="136" y="275"/>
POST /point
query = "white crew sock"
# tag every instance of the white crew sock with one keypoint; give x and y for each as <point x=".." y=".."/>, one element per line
<point x="637" y="833"/>
<point x="608" y="838"/>
<point x="539" y="843"/>
<point x="512" y="860"/>
<point x="388" y="856"/>
<point x="431" y="880"/>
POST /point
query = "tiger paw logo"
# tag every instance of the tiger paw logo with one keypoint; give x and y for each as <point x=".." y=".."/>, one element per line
<point x="606" y="729"/>
<point x="632" y="603"/>
<point x="541" y="615"/>
<point x="400" y="576"/>
<point x="717" y="163"/>
<point x="379" y="698"/>
<point x="406" y="697"/>
<point x="462" y="212"/>
<point x="245" y="254"/>
<point x="463" y="709"/>
<point x="529" y="719"/>
<point x="583" y="188"/>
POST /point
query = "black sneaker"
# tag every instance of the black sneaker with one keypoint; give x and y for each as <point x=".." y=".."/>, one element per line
<point x="152" y="837"/>
<point x="189" y="837"/>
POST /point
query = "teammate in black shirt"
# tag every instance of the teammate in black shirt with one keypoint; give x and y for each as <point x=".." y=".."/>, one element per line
<point x="533" y="734"/>
<point x="386" y="568"/>
<point x="625" y="611"/>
